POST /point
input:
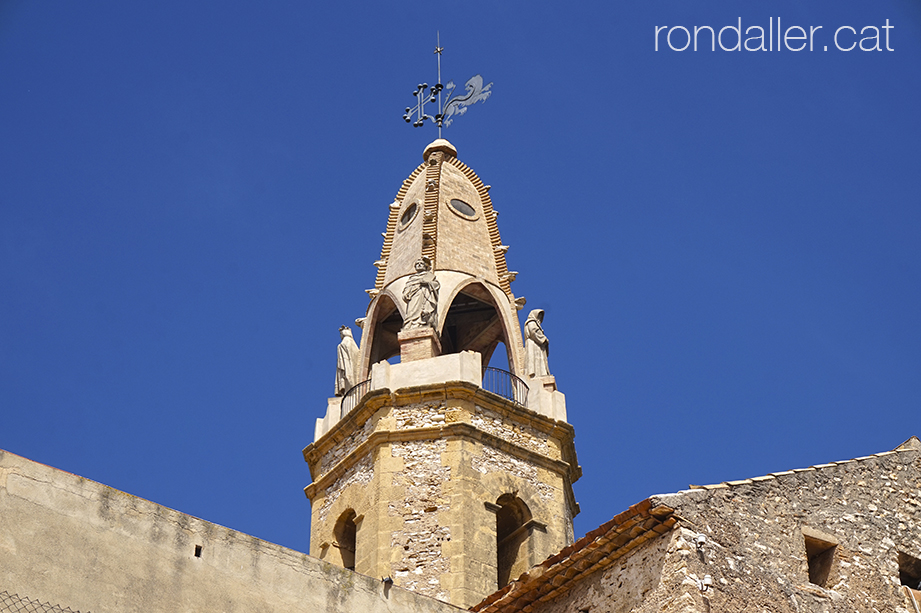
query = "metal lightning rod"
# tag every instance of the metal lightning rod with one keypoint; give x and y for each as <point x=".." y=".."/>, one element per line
<point x="438" y="50"/>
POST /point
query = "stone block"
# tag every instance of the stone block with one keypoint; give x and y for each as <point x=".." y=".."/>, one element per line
<point x="418" y="344"/>
<point x="544" y="398"/>
<point x="464" y="366"/>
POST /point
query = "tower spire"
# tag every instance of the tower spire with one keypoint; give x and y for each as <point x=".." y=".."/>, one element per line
<point x="439" y="471"/>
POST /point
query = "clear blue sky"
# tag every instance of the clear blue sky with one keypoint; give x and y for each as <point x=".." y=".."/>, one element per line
<point x="726" y="244"/>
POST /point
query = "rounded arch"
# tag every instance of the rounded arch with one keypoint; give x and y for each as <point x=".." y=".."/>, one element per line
<point x="379" y="338"/>
<point x="474" y="321"/>
<point x="345" y="533"/>
<point x="542" y="530"/>
<point x="493" y="485"/>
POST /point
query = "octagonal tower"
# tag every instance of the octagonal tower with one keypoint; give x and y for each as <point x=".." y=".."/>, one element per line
<point x="450" y="477"/>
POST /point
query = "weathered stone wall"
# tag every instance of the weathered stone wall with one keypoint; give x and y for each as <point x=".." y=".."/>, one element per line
<point x="491" y="460"/>
<point x="346" y="447"/>
<point x="418" y="561"/>
<point x="420" y="415"/>
<point x="425" y="486"/>
<point x="361" y="473"/>
<point x="75" y="543"/>
<point x="623" y="586"/>
<point x="754" y="546"/>
<point x="520" y="434"/>
<point x="871" y="506"/>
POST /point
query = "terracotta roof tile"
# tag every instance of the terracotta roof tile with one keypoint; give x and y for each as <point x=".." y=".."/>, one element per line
<point x="592" y="552"/>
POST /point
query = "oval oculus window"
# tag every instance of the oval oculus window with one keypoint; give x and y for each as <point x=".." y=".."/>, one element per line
<point x="408" y="215"/>
<point x="463" y="208"/>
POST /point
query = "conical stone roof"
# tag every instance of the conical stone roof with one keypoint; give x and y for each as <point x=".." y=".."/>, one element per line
<point x="443" y="211"/>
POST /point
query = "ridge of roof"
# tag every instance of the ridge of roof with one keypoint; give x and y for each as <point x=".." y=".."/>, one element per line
<point x="594" y="551"/>
<point x="912" y="444"/>
<point x="604" y="545"/>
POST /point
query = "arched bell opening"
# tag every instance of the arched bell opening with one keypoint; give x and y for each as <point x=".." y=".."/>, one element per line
<point x="345" y="533"/>
<point x="386" y="323"/>
<point x="499" y="357"/>
<point x="473" y="323"/>
<point x="512" y="533"/>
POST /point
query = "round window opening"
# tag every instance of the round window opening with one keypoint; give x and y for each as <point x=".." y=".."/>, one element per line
<point x="408" y="215"/>
<point x="463" y="208"/>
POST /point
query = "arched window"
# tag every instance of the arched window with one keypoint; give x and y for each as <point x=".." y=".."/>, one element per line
<point x="344" y="533"/>
<point x="512" y="519"/>
<point x="386" y="325"/>
<point x="473" y="323"/>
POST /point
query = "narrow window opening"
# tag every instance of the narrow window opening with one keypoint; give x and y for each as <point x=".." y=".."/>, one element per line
<point x="345" y="533"/>
<point x="820" y="552"/>
<point x="198" y="551"/>
<point x="910" y="571"/>
<point x="511" y="534"/>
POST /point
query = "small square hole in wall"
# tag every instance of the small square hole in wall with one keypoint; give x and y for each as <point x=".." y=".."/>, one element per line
<point x="909" y="571"/>
<point x="198" y="551"/>
<point x="820" y="552"/>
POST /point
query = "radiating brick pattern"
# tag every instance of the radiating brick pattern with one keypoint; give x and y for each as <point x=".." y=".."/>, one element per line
<point x="464" y="242"/>
<point x="430" y="212"/>
<point x="491" y="215"/>
<point x="392" y="219"/>
<point x="432" y="174"/>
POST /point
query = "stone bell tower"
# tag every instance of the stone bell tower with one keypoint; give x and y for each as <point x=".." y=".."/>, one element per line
<point x="447" y="476"/>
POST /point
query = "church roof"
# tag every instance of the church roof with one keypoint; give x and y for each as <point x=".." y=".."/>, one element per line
<point x="596" y="550"/>
<point x="912" y="444"/>
<point x="638" y="524"/>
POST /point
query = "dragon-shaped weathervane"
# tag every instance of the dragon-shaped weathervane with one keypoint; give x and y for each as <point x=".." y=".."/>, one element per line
<point x="455" y="106"/>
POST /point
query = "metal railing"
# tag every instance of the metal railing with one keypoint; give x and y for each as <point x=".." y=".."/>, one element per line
<point x="354" y="396"/>
<point x="505" y="384"/>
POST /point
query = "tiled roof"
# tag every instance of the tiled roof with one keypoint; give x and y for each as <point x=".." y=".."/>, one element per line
<point x="594" y="551"/>
<point x="602" y="546"/>
<point x="912" y="444"/>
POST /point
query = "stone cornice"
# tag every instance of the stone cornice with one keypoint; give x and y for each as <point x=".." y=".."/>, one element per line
<point x="458" y="430"/>
<point x="376" y="399"/>
<point x="373" y="402"/>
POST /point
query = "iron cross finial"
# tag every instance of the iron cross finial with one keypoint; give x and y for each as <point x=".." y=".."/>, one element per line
<point x="457" y="105"/>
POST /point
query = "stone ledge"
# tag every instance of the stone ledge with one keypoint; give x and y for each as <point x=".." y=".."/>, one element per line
<point x="451" y="431"/>
<point x="462" y="390"/>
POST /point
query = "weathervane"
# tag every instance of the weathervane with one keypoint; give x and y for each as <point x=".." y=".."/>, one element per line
<point x="457" y="105"/>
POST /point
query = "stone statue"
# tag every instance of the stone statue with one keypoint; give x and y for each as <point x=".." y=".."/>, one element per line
<point x="536" y="345"/>
<point x="347" y="362"/>
<point x="421" y="297"/>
